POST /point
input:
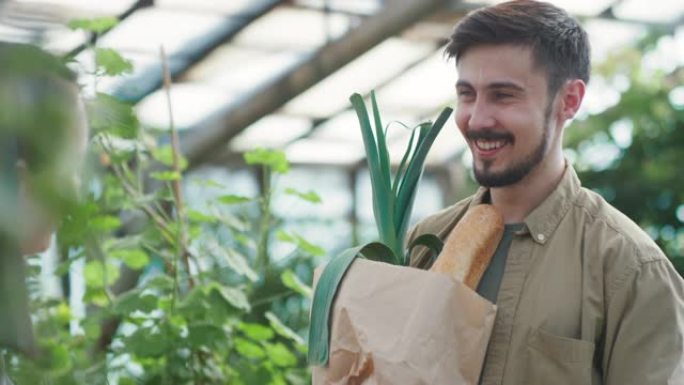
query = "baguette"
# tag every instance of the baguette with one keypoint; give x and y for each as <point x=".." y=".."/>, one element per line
<point x="470" y="245"/>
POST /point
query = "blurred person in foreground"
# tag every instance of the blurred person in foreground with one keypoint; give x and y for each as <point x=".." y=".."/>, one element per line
<point x="43" y="136"/>
<point x="584" y="296"/>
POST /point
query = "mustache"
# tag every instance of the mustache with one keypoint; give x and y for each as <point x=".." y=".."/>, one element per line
<point x="488" y="135"/>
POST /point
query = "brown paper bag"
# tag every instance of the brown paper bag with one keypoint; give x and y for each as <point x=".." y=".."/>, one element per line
<point x="394" y="325"/>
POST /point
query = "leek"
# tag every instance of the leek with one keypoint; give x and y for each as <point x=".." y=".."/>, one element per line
<point x="393" y="200"/>
<point x="392" y="205"/>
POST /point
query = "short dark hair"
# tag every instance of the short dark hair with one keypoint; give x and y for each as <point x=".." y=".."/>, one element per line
<point x="559" y="44"/>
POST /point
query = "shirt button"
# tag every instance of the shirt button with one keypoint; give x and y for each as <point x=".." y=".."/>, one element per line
<point x="540" y="237"/>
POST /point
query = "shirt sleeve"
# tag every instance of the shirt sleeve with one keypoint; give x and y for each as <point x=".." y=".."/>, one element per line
<point x="644" y="340"/>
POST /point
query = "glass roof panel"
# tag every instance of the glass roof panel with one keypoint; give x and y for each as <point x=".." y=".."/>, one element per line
<point x="365" y="7"/>
<point x="344" y="127"/>
<point x="226" y="67"/>
<point x="144" y="78"/>
<point x="371" y="69"/>
<point x="64" y="40"/>
<point x="272" y="131"/>
<point x="12" y="34"/>
<point x="666" y="11"/>
<point x="293" y="29"/>
<point x="191" y="104"/>
<point x="148" y="28"/>
<point x="421" y="89"/>
<point x="83" y="8"/>
<point x="583" y="8"/>
<point x="322" y="152"/>
<point x="225" y="7"/>
<point x="574" y="7"/>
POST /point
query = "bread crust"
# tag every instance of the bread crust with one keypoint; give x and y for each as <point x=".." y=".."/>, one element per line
<point x="470" y="245"/>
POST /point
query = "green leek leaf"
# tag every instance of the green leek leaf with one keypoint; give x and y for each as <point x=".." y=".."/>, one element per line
<point x="383" y="201"/>
<point x="432" y="242"/>
<point x="407" y="191"/>
<point x="324" y="295"/>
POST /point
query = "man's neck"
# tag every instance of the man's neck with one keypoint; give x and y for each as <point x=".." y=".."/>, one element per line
<point x="515" y="202"/>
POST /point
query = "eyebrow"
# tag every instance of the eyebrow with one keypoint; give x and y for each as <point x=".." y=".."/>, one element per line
<point x="495" y="85"/>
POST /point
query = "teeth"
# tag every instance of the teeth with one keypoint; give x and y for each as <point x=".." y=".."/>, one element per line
<point x="488" y="145"/>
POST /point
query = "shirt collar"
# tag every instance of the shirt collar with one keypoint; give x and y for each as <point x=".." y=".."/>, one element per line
<point x="545" y="218"/>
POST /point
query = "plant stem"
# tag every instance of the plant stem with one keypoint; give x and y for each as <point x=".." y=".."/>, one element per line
<point x="265" y="223"/>
<point x="182" y="241"/>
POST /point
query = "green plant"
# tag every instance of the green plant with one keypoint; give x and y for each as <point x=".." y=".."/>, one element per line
<point x="174" y="294"/>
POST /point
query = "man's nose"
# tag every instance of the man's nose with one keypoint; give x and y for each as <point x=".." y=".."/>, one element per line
<point x="480" y="115"/>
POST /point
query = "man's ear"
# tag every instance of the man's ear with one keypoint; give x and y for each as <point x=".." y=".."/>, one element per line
<point x="571" y="94"/>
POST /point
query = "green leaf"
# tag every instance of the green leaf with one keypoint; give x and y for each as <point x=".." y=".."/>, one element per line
<point x="165" y="175"/>
<point x="127" y="381"/>
<point x="383" y="199"/>
<point x="300" y="242"/>
<point x="63" y="313"/>
<point x="273" y="159"/>
<point x="233" y="296"/>
<point x="291" y="281"/>
<point x="95" y="296"/>
<point x="160" y="282"/>
<point x="232" y="199"/>
<point x="280" y="355"/>
<point x="208" y="183"/>
<point x="111" y="62"/>
<point x="432" y="242"/>
<point x="200" y="217"/>
<point x="148" y="342"/>
<point x="256" y="332"/>
<point x="55" y="359"/>
<point x="108" y="114"/>
<point x="236" y="261"/>
<point x="409" y="185"/>
<point x="164" y="155"/>
<point x="136" y="259"/>
<point x="383" y="154"/>
<point x="283" y="330"/>
<point x="204" y="334"/>
<point x="249" y="349"/>
<point x="326" y="290"/>
<point x="407" y="155"/>
<point x="195" y="303"/>
<point x="96" y="25"/>
<point x="105" y="223"/>
<point x="309" y="196"/>
<point x="133" y="301"/>
<point x="94" y="274"/>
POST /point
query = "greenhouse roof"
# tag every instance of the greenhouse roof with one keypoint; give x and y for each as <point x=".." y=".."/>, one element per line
<point x="279" y="73"/>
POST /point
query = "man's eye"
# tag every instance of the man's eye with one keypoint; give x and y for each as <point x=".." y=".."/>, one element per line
<point x="464" y="94"/>
<point x="502" y="95"/>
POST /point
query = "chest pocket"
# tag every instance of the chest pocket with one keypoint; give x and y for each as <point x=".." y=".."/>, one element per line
<point x="558" y="360"/>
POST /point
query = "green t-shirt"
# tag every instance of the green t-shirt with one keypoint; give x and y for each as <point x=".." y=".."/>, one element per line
<point x="491" y="280"/>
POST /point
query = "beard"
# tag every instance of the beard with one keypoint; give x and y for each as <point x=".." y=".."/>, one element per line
<point x="516" y="171"/>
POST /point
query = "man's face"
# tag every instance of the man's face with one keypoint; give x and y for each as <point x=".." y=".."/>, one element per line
<point x="504" y="112"/>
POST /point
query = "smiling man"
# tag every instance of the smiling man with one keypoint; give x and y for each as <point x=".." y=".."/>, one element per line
<point x="584" y="296"/>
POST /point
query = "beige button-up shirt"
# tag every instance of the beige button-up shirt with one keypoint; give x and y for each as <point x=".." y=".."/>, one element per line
<point x="586" y="297"/>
